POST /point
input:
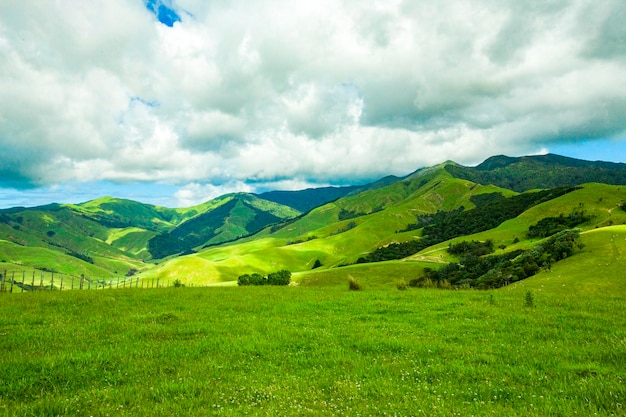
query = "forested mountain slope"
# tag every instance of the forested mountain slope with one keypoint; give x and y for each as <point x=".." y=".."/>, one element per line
<point x="541" y="171"/>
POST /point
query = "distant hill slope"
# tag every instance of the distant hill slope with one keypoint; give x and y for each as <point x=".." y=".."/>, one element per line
<point x="541" y="171"/>
<point x="306" y="200"/>
<point x="117" y="235"/>
<point x="235" y="216"/>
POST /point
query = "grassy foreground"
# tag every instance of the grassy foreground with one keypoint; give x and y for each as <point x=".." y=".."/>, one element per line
<point x="311" y="351"/>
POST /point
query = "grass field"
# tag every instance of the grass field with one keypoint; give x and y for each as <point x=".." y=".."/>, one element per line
<point x="306" y="350"/>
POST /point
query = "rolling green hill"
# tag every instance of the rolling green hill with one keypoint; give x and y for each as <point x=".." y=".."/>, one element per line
<point x="401" y="227"/>
<point x="235" y="216"/>
<point x="115" y="236"/>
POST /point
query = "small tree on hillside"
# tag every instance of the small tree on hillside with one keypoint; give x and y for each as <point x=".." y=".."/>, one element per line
<point x="282" y="277"/>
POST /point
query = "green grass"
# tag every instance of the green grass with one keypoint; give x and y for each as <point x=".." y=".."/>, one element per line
<point x="311" y="351"/>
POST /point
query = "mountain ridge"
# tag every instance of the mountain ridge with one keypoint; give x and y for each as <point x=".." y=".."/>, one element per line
<point x="242" y="232"/>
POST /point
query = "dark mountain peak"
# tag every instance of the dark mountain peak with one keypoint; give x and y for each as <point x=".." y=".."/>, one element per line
<point x="547" y="160"/>
<point x="495" y="162"/>
<point x="540" y="171"/>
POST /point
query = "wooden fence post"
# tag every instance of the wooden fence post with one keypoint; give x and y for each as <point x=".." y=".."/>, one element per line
<point x="32" y="284"/>
<point x="51" y="280"/>
<point x="23" y="277"/>
<point x="61" y="287"/>
<point x="41" y="281"/>
<point x="12" y="280"/>
<point x="2" y="277"/>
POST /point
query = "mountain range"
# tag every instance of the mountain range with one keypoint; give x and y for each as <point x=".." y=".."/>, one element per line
<point x="403" y="224"/>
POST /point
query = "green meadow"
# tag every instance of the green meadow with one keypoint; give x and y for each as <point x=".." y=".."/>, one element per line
<point x="314" y="349"/>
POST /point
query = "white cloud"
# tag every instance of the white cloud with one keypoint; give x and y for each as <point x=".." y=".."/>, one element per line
<point x="194" y="193"/>
<point x="242" y="92"/>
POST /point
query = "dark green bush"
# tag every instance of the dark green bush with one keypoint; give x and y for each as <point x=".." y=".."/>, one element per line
<point x="282" y="277"/>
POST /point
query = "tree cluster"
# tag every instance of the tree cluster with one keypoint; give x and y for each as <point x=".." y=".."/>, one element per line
<point x="551" y="225"/>
<point x="282" y="277"/>
<point x="493" y="271"/>
<point x="346" y="215"/>
<point x="473" y="248"/>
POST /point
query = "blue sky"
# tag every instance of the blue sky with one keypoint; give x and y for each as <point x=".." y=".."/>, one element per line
<point x="174" y="102"/>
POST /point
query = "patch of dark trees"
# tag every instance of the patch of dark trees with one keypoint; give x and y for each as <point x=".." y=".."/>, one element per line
<point x="473" y="248"/>
<point x="82" y="256"/>
<point x="494" y="271"/>
<point x="347" y="214"/>
<point x="551" y="225"/>
<point x="351" y="225"/>
<point x="490" y="211"/>
<point x="282" y="277"/>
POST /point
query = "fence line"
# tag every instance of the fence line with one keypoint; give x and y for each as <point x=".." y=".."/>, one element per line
<point x="10" y="283"/>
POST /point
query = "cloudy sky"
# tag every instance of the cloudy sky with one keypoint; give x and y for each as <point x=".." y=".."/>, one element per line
<point x="174" y="102"/>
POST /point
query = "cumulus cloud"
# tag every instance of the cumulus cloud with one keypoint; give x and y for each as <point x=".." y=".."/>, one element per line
<point x="230" y="95"/>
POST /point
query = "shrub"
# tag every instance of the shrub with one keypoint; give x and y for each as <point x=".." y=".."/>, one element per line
<point x="444" y="285"/>
<point x="317" y="264"/>
<point x="422" y="282"/>
<point x="529" y="299"/>
<point x="282" y="277"/>
<point x="354" y="285"/>
<point x="178" y="284"/>
<point x="402" y="285"/>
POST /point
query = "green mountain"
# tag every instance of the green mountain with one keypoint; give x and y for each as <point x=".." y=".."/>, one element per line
<point x="306" y="200"/>
<point x="113" y="236"/>
<point x="431" y="224"/>
<point x="542" y="171"/>
<point x="232" y="217"/>
<point x="411" y="221"/>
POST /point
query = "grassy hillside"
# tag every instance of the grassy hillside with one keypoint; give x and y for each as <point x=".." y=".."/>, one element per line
<point x="114" y="235"/>
<point x="20" y="258"/>
<point x="597" y="271"/>
<point x="320" y="235"/>
<point x="235" y="216"/>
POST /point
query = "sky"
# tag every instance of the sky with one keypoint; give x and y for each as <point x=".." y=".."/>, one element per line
<point x="175" y="102"/>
